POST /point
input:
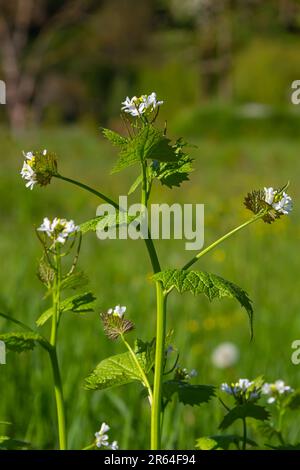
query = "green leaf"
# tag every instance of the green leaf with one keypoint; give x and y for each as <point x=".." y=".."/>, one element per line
<point x="247" y="410"/>
<point x="7" y="443"/>
<point x="174" y="173"/>
<point x="74" y="281"/>
<point x="135" y="185"/>
<point x="103" y="222"/>
<point x="115" y="138"/>
<point x="149" y="143"/>
<point x="19" y="341"/>
<point x="145" y="351"/>
<point x="293" y="400"/>
<point x="188" y="394"/>
<point x="221" y="442"/>
<point x="79" y="303"/>
<point x="201" y="282"/>
<point x="116" y="370"/>
<point x="44" y="317"/>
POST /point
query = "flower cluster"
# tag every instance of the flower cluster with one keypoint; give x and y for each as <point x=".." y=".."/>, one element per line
<point x="243" y="391"/>
<point x="276" y="390"/>
<point x="38" y="168"/>
<point x="279" y="200"/>
<point x="272" y="203"/>
<point x="102" y="438"/>
<point x="182" y="374"/>
<point x="114" y="323"/>
<point x="136" y="106"/>
<point x="58" y="230"/>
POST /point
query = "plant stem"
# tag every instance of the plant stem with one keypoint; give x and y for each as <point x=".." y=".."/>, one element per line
<point x="59" y="399"/>
<point x="90" y="190"/>
<point x="143" y="375"/>
<point x="220" y="240"/>
<point x="158" y="371"/>
<point x="148" y="241"/>
<point x="58" y="390"/>
<point x="244" y="434"/>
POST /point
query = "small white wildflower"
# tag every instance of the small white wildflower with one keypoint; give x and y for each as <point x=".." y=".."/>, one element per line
<point x="281" y="202"/>
<point x="59" y="229"/>
<point x="274" y="390"/>
<point x="240" y="390"/>
<point x="117" y="310"/>
<point x="193" y="373"/>
<point x="136" y="106"/>
<point x="101" y="436"/>
<point x="114" y="445"/>
<point x="225" y="355"/>
<point x="28" y="174"/>
<point x="226" y="388"/>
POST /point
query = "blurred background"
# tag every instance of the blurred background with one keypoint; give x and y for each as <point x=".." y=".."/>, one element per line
<point x="224" y="70"/>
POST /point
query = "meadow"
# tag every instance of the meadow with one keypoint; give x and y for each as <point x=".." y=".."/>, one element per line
<point x="263" y="259"/>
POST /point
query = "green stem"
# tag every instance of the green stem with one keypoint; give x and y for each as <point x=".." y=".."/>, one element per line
<point x="220" y="240"/>
<point x="143" y="375"/>
<point x="158" y="371"/>
<point x="148" y="241"/>
<point x="90" y="190"/>
<point x="58" y="390"/>
<point x="59" y="399"/>
<point x="244" y="433"/>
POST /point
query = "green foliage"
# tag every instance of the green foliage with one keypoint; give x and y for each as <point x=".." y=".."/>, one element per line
<point x="221" y="442"/>
<point x="200" y="282"/>
<point x="145" y="351"/>
<point x="115" y="138"/>
<point x="188" y="394"/>
<point x="74" y="280"/>
<point x="78" y="303"/>
<point x="293" y="400"/>
<point x="148" y="143"/>
<point x="174" y="173"/>
<point x="247" y="410"/>
<point x="7" y="443"/>
<point x="121" y="369"/>
<point x="104" y="222"/>
<point x="19" y="341"/>
<point x="135" y="184"/>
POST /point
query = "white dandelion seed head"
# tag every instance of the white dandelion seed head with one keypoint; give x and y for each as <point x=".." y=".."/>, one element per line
<point x="225" y="355"/>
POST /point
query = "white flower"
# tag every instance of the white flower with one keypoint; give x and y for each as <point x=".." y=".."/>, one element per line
<point x="136" y="106"/>
<point x="225" y="355"/>
<point x="117" y="310"/>
<point x="193" y="373"/>
<point x="28" y="174"/>
<point x="101" y="436"/>
<point x="240" y="390"/>
<point x="59" y="229"/>
<point x="226" y="388"/>
<point x="280" y="201"/>
<point x="274" y="390"/>
<point x="243" y="384"/>
<point x="114" y="445"/>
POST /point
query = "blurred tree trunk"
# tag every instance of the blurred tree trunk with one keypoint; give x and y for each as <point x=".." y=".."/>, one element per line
<point x="19" y="86"/>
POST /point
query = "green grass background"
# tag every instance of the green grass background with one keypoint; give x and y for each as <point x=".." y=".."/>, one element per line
<point x="263" y="259"/>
